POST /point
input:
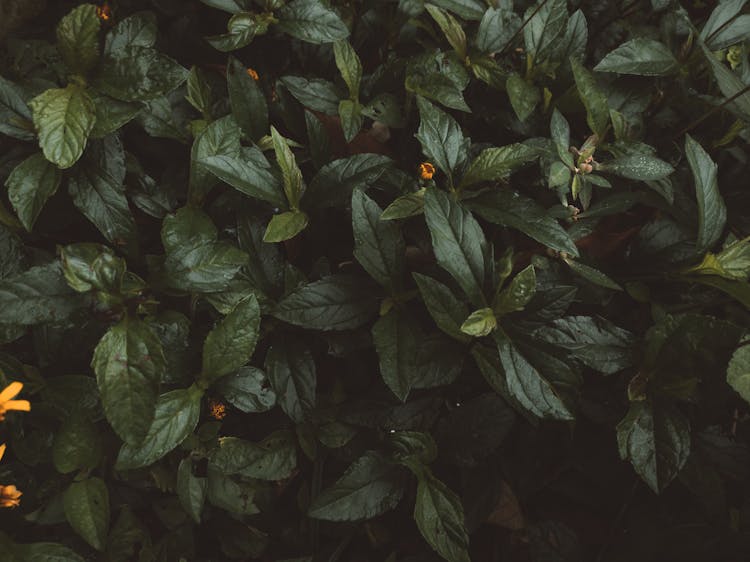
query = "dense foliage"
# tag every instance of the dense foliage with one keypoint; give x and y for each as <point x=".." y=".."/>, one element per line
<point x="375" y="280"/>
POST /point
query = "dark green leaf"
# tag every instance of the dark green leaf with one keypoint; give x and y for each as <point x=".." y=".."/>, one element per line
<point x="291" y="372"/>
<point x="370" y="486"/>
<point x="524" y="97"/>
<point x="349" y="66"/>
<point x="248" y="172"/>
<point x="333" y="185"/>
<point x="467" y="9"/>
<point x="738" y="372"/>
<point x="498" y="163"/>
<point x="274" y="458"/>
<point x="247" y="390"/>
<point x="448" y="312"/>
<point x="545" y="27"/>
<point x="655" y="438"/>
<point x="396" y="337"/>
<point x="311" y="21"/>
<point x="137" y="30"/>
<point x="29" y="185"/>
<point x="15" y="115"/>
<point x="248" y="102"/>
<point x="138" y="73"/>
<point x="176" y="416"/>
<point x="518" y="293"/>
<point x="87" y="510"/>
<point x="129" y="363"/>
<point x="641" y="56"/>
<point x="77" y="445"/>
<point x="191" y="490"/>
<point x="350" y="114"/>
<point x="78" y="38"/>
<point x="712" y="211"/>
<point x="441" y="137"/>
<point x="316" y="94"/>
<point x="451" y="28"/>
<point x="594" y="100"/>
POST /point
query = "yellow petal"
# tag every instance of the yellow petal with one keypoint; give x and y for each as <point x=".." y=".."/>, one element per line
<point x="20" y="405"/>
<point x="2" y="450"/>
<point x="10" y="391"/>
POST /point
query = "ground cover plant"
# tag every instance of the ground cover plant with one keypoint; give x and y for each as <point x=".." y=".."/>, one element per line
<point x="374" y="280"/>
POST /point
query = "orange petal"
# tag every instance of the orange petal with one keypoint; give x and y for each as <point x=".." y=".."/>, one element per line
<point x="10" y="391"/>
<point x="20" y="405"/>
<point x="2" y="450"/>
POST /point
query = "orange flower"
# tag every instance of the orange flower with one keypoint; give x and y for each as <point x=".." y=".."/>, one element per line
<point x="6" y="402"/>
<point x="426" y="171"/>
<point x="2" y="451"/>
<point x="218" y="410"/>
<point x="252" y="74"/>
<point x="10" y="496"/>
<point x="104" y="12"/>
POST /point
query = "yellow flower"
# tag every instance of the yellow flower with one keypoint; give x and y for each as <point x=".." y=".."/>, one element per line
<point x="6" y="402"/>
<point x="426" y="171"/>
<point x="252" y="74"/>
<point x="10" y="496"/>
<point x="103" y="12"/>
<point x="218" y="410"/>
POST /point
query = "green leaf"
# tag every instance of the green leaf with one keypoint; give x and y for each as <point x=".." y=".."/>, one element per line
<point x="592" y="274"/>
<point x="451" y="28"/>
<point x="440" y="136"/>
<point x="111" y="115"/>
<point x="137" y="30"/>
<point x="594" y="100"/>
<point x="712" y="211"/>
<point x="738" y="371"/>
<point x="248" y="101"/>
<point x="248" y="390"/>
<point x="241" y="30"/>
<point x="350" y="113"/>
<point x="274" y="458"/>
<point x="78" y="38"/>
<point x="640" y="167"/>
<point x="248" y="172"/>
<point x="498" y="26"/>
<point x="30" y="185"/>
<point x="337" y="302"/>
<point x="15" y="115"/>
<point x="545" y="28"/>
<point x="77" y="445"/>
<point x="291" y="372"/>
<point x="448" y="312"/>
<point x="191" y="490"/>
<point x="406" y="206"/>
<point x="319" y="141"/>
<point x="176" y="416"/>
<point x="596" y="342"/>
<point x="640" y="56"/>
<point x="129" y="363"/>
<point x="333" y="185"/>
<point x="440" y="518"/>
<point x="730" y="85"/>
<point x="315" y="93"/>
<point x="517" y="294"/>
<point x="98" y="191"/>
<point x="378" y="245"/>
<point x="63" y="117"/>
<point x="311" y="21"/>
<point x="396" y="337"/>
<point x="726" y="26"/>
<point x="479" y="323"/>
<point x="439" y="88"/>
<point x="290" y="171"/>
<point x="370" y="486"/>
<point x="231" y="343"/>
<point x="138" y="73"/>
<point x="467" y="9"/>
<point x="458" y="242"/>
<point x="285" y="226"/>
<point x="220" y="138"/>
<point x="655" y="438"/>
<point x="87" y="510"/>
<point x="494" y="164"/>
<point x="92" y="266"/>
<point x="47" y="552"/>
<point x="199" y="90"/>
<point x="524" y="97"/>
<point x="508" y="208"/>
<point x="528" y="385"/>
<point x="349" y="66"/>
<point x="38" y="295"/>
<point x="560" y="130"/>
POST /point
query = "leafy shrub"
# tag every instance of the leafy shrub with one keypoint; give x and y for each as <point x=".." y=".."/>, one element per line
<point x="375" y="280"/>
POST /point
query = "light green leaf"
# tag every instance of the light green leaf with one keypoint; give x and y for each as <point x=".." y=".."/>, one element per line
<point x="640" y="56"/>
<point x="311" y="21"/>
<point x="241" y="30"/>
<point x="285" y="226"/>
<point x="458" y="242"/>
<point x="440" y="518"/>
<point x="350" y="113"/>
<point x="290" y="171"/>
<point x="738" y="371"/>
<point x="640" y="167"/>
<point x="78" y="38"/>
<point x="517" y="294"/>
<point x="593" y="98"/>
<point x="655" y="438"/>
<point x="349" y="66"/>
<point x="498" y="163"/>
<point x="176" y="416"/>
<point x="451" y="28"/>
<point x="406" y="206"/>
<point x="232" y="342"/>
<point x="129" y="363"/>
<point x="86" y="506"/>
<point x="30" y="185"/>
<point x="712" y="211"/>
<point x="63" y="118"/>
<point x="337" y="302"/>
<point x="479" y="323"/>
<point x="378" y="245"/>
<point x="370" y="486"/>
